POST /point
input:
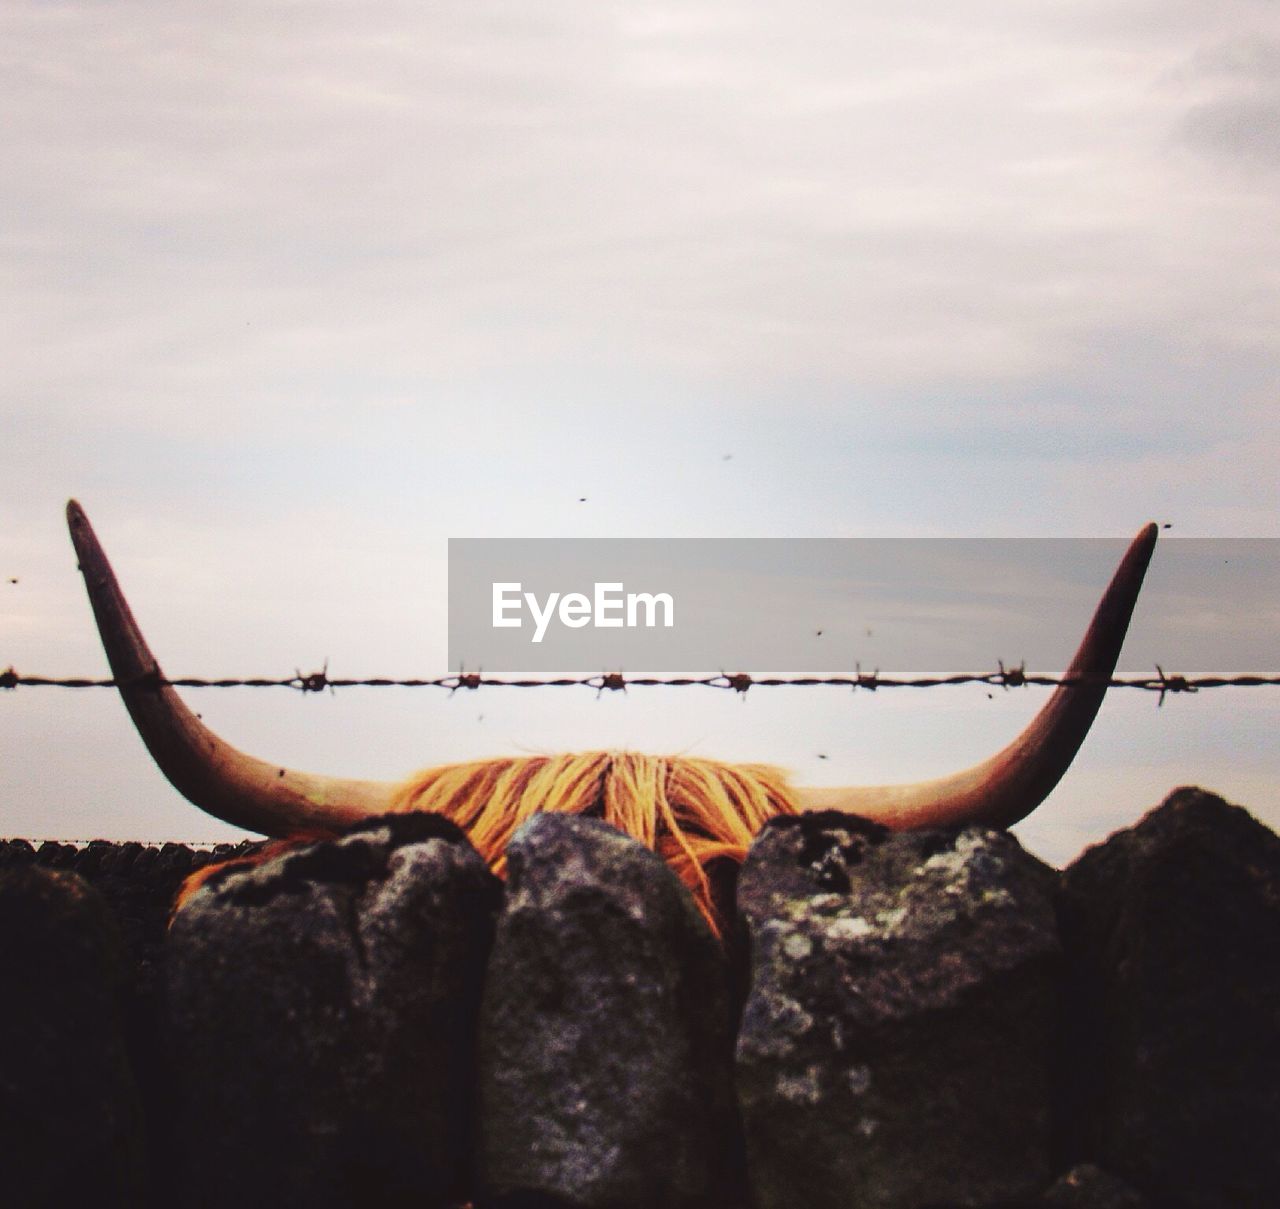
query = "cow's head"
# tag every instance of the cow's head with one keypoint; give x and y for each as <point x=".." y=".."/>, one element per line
<point x="691" y="810"/>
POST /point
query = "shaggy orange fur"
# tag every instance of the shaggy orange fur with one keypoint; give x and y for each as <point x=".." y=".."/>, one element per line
<point x="689" y="811"/>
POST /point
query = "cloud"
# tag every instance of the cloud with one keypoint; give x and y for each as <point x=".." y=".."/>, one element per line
<point x="1240" y="120"/>
<point x="226" y="206"/>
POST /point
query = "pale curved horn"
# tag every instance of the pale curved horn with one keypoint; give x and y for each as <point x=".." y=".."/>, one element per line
<point x="202" y="767"/>
<point x="1011" y="784"/>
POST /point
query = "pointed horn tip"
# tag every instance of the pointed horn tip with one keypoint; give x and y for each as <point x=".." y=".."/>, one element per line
<point x="78" y="521"/>
<point x="1143" y="544"/>
<point x="82" y="535"/>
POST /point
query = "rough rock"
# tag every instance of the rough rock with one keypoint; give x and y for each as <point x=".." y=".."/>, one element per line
<point x="606" y="1037"/>
<point x="895" y="1046"/>
<point x="16" y="854"/>
<point x="139" y="883"/>
<point x="70" y="1120"/>
<point x="322" y="1010"/>
<point x="1172" y="1071"/>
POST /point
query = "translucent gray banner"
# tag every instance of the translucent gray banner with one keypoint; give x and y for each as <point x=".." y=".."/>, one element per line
<point x="823" y="606"/>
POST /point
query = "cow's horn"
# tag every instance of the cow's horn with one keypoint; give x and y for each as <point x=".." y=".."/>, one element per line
<point x="279" y="801"/>
<point x="210" y="772"/>
<point x="1011" y="784"/>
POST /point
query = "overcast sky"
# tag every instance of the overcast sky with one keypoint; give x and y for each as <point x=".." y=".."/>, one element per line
<point x="293" y="293"/>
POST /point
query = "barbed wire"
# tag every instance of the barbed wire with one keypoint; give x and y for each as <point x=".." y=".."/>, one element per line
<point x="738" y="682"/>
<point x="201" y="846"/>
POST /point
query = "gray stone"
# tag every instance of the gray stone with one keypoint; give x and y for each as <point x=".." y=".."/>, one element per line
<point x="1172" y="933"/>
<point x="606" y="1038"/>
<point x="322" y="1009"/>
<point x="894" y="1049"/>
<point x="139" y="883"/>
<point x="70" y="1120"/>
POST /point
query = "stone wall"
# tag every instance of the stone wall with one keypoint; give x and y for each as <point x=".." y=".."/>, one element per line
<point x="893" y="1021"/>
